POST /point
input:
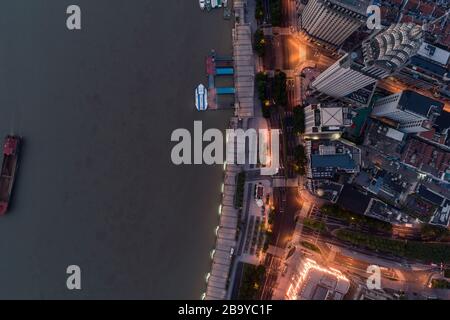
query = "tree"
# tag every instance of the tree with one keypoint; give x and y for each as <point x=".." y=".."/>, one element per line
<point x="279" y="88"/>
<point x="299" y="120"/>
<point x="259" y="11"/>
<point x="300" y="160"/>
<point x="432" y="232"/>
<point x="252" y="279"/>
<point x="275" y="12"/>
<point x="261" y="87"/>
<point x="259" y="42"/>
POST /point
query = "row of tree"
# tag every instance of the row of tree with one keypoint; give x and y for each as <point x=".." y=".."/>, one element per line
<point x="251" y="282"/>
<point x="271" y="92"/>
<point x="355" y="219"/>
<point x="259" y="43"/>
<point x="259" y="10"/>
<point x="423" y="251"/>
<point x="274" y="9"/>
<point x="299" y="120"/>
<point x="240" y="185"/>
<point x="275" y="13"/>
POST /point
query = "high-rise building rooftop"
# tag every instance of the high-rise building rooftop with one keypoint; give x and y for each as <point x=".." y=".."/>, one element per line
<point x="359" y="6"/>
<point x="392" y="48"/>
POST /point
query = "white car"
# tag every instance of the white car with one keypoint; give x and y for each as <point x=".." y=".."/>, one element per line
<point x="202" y="4"/>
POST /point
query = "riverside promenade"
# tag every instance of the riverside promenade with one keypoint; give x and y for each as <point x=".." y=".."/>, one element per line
<point x="218" y="281"/>
<point x="227" y="234"/>
<point x="244" y="63"/>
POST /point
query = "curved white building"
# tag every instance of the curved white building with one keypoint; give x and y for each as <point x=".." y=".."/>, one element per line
<point x="380" y="56"/>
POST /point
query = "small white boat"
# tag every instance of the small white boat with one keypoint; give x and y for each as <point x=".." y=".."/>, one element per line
<point x="201" y="98"/>
<point x="202" y="4"/>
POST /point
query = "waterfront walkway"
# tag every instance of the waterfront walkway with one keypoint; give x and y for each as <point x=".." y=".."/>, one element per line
<point x="244" y="63"/>
<point x="226" y="242"/>
<point x="220" y="279"/>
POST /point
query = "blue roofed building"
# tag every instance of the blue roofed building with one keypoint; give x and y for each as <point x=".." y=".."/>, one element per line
<point x="325" y="166"/>
<point x="331" y="159"/>
<point x="428" y="69"/>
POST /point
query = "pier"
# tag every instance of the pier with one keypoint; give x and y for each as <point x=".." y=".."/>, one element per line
<point x="217" y="66"/>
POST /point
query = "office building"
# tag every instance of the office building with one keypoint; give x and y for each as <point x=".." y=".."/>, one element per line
<point x="380" y="56"/>
<point x="332" y="21"/>
<point x="411" y="111"/>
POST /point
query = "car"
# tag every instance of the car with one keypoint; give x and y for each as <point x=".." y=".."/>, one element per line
<point x="259" y="191"/>
<point x="202" y="4"/>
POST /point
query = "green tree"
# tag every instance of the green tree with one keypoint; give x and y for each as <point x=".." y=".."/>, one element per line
<point x="262" y="80"/>
<point x="299" y="120"/>
<point x="300" y="160"/>
<point x="275" y="12"/>
<point x="259" y="43"/>
<point x="432" y="232"/>
<point x="251" y="282"/>
<point x="280" y="89"/>
<point x="259" y="11"/>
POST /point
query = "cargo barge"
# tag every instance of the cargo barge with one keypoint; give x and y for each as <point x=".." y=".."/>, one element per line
<point x="9" y="169"/>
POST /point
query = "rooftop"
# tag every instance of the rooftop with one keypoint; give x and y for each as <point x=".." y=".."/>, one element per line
<point x="327" y="118"/>
<point x="382" y="211"/>
<point x="327" y="190"/>
<point x="383" y="139"/>
<point x="341" y="161"/>
<point x="314" y="282"/>
<point x="392" y="48"/>
<point x="434" y="53"/>
<point x="427" y="157"/>
<point x="430" y="196"/>
<point x="443" y="121"/>
<point x="419" y="104"/>
<point x="430" y="66"/>
<point x="442" y="215"/>
<point x="359" y="6"/>
<point x="332" y="116"/>
<point x="363" y="95"/>
<point x="352" y="199"/>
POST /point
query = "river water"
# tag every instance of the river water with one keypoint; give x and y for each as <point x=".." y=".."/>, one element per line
<point x="96" y="187"/>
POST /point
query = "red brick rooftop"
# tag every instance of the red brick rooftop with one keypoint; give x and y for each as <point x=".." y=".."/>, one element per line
<point x="426" y="9"/>
<point x="426" y="157"/>
<point x="412" y="4"/>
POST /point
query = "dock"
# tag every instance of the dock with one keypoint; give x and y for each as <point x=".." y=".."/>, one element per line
<point x="218" y="66"/>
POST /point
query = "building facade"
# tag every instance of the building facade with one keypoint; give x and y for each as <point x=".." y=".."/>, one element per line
<point x="380" y="56"/>
<point x="412" y="111"/>
<point x="428" y="69"/>
<point x="332" y="21"/>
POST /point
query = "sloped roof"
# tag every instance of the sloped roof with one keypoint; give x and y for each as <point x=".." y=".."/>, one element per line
<point x="332" y="116"/>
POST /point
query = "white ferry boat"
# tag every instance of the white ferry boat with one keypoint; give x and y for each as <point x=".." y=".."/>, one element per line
<point x="211" y="4"/>
<point x="201" y="98"/>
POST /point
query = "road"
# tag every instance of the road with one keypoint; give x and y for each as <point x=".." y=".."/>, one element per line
<point x="286" y="207"/>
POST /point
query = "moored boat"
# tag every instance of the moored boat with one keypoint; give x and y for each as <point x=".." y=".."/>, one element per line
<point x="201" y="98"/>
<point x="9" y="169"/>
